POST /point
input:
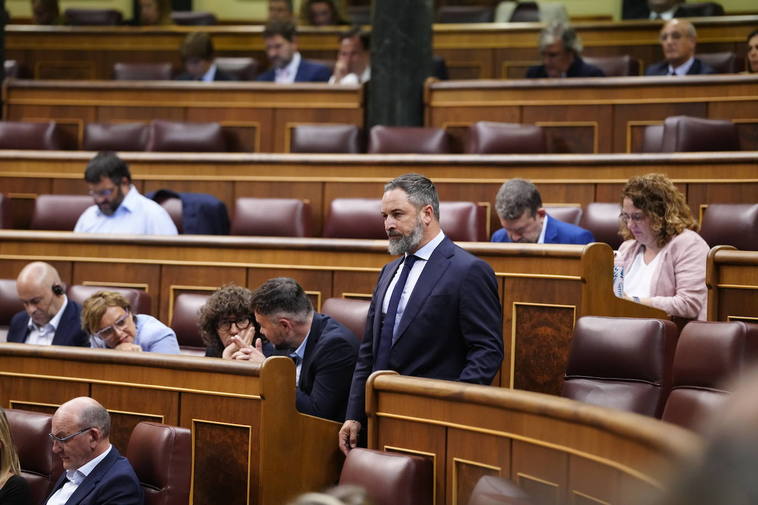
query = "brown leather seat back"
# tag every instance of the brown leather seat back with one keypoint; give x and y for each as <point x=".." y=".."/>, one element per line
<point x="116" y="136"/>
<point x="173" y="136"/>
<point x="9" y="305"/>
<point x="138" y="299"/>
<point x="652" y="140"/>
<point x="688" y="134"/>
<point x="567" y="214"/>
<point x="622" y="363"/>
<point x="241" y="68"/>
<point x="39" y="466"/>
<point x="142" y="71"/>
<point x="734" y="224"/>
<point x="184" y="322"/>
<point x="407" y="139"/>
<point x="193" y="18"/>
<point x="350" y="312"/>
<point x="487" y="137"/>
<point x="465" y="14"/>
<point x="708" y="356"/>
<point x="58" y="212"/>
<point x="602" y="219"/>
<point x="615" y="66"/>
<point x="326" y="138"/>
<point x="93" y="17"/>
<point x="700" y="9"/>
<point x="463" y="221"/>
<point x="274" y="217"/>
<point x="29" y="135"/>
<point x="355" y="218"/>
<point x="493" y="490"/>
<point x="161" y="456"/>
<point x="390" y="478"/>
<point x="725" y="62"/>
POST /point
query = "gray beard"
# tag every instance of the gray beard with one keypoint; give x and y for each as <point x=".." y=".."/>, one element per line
<point x="407" y="243"/>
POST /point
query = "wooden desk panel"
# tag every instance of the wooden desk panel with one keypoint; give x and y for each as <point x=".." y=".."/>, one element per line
<point x="471" y="51"/>
<point x="574" y="179"/>
<point x="258" y="117"/>
<point x="732" y="278"/>
<point x="242" y="417"/>
<point x="554" y="448"/>
<point x="543" y="289"/>
<point x="595" y="115"/>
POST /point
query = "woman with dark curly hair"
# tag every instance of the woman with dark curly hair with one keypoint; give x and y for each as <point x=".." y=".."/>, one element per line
<point x="662" y="261"/>
<point x="227" y="312"/>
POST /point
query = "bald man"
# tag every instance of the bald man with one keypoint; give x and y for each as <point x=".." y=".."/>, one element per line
<point x="95" y="472"/>
<point x="678" y="39"/>
<point x="49" y="317"/>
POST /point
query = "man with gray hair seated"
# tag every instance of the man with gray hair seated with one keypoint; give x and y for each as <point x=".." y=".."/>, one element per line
<point x="561" y="50"/>
<point x="519" y="207"/>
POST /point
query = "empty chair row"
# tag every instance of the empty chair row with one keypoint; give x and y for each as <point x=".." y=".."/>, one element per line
<point x="159" y="453"/>
<point x="113" y="17"/>
<point x="646" y="366"/>
<point x="239" y="68"/>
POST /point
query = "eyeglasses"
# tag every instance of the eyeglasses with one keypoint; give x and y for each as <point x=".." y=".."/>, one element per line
<point x="241" y="323"/>
<point x="108" y="332"/>
<point x="101" y="193"/>
<point x="63" y="440"/>
<point x="632" y="217"/>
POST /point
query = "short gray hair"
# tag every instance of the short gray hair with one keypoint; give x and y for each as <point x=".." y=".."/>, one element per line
<point x="420" y="190"/>
<point x="516" y="196"/>
<point x="96" y="416"/>
<point x="554" y="32"/>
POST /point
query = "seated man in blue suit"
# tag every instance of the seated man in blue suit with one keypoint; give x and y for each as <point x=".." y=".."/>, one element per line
<point x="678" y="40"/>
<point x="95" y="472"/>
<point x="49" y="317"/>
<point x="287" y="66"/>
<point x="519" y="207"/>
<point x="324" y="351"/>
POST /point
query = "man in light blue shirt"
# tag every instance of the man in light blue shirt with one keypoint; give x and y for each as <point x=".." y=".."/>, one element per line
<point x="119" y="207"/>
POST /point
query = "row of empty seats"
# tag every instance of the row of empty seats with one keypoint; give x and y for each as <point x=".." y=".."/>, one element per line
<point x="722" y="224"/>
<point x="677" y="134"/>
<point x="646" y="366"/>
<point x="113" y="17"/>
<point x="161" y="456"/>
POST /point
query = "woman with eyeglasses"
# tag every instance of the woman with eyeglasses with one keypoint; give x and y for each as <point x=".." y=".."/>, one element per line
<point x="662" y="261"/>
<point x="228" y="312"/>
<point x="14" y="489"/>
<point x="108" y="318"/>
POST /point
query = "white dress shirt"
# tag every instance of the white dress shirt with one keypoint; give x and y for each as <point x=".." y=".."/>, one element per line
<point x="287" y="74"/>
<point x="136" y="215"/>
<point x="45" y="334"/>
<point x="683" y="68"/>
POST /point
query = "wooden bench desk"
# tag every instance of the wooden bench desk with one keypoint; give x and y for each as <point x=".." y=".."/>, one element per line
<point x="732" y="278"/>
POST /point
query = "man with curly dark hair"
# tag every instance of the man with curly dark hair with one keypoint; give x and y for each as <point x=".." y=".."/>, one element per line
<point x="227" y="313"/>
<point x="662" y="261"/>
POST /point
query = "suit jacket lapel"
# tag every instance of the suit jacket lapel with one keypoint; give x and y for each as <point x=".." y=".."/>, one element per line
<point x="64" y="325"/>
<point x="313" y="338"/>
<point x="381" y="290"/>
<point x="89" y="482"/>
<point x="433" y="271"/>
<point x="551" y="232"/>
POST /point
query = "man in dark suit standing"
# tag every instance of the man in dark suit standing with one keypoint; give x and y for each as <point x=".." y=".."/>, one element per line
<point x="519" y="207"/>
<point x="678" y="40"/>
<point x="561" y="51"/>
<point x="95" y="472"/>
<point x="324" y="351"/>
<point x="287" y="66"/>
<point x="49" y="317"/>
<point x="435" y="311"/>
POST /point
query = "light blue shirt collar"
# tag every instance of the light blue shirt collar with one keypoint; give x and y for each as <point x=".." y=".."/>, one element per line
<point x="683" y="68"/>
<point x="426" y="251"/>
<point x="81" y="473"/>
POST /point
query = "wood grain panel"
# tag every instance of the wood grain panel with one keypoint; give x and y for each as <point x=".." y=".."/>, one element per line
<point x="592" y="483"/>
<point x="471" y="456"/>
<point x="220" y="445"/>
<point x="120" y="270"/>
<point x="201" y="277"/>
<point x="541" y="472"/>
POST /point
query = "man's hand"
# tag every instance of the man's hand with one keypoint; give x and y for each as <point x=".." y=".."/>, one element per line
<point x="348" y="436"/>
<point x="341" y="68"/>
<point x="246" y="352"/>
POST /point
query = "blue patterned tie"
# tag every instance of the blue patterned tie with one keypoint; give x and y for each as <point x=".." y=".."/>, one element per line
<point x="382" y="360"/>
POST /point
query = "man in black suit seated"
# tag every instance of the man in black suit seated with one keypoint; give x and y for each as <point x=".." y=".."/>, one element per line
<point x="561" y="50"/>
<point x="678" y="40"/>
<point x="324" y="351"/>
<point x="49" y="317"/>
<point x="287" y="65"/>
<point x="197" y="53"/>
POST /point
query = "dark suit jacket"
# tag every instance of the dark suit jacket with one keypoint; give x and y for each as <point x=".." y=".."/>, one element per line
<point x="577" y="69"/>
<point x="111" y="482"/>
<point x="697" y="68"/>
<point x="327" y="369"/>
<point x="202" y="214"/>
<point x="451" y="327"/>
<point x="557" y="232"/>
<point x="69" y="330"/>
<point x="638" y="9"/>
<point x="307" y="71"/>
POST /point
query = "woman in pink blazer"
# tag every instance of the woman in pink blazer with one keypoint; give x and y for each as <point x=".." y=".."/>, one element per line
<point x="662" y="262"/>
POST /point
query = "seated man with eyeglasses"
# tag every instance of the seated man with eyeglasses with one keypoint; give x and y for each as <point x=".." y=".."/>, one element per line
<point x="108" y="318"/>
<point x="119" y="207"/>
<point x="95" y="472"/>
